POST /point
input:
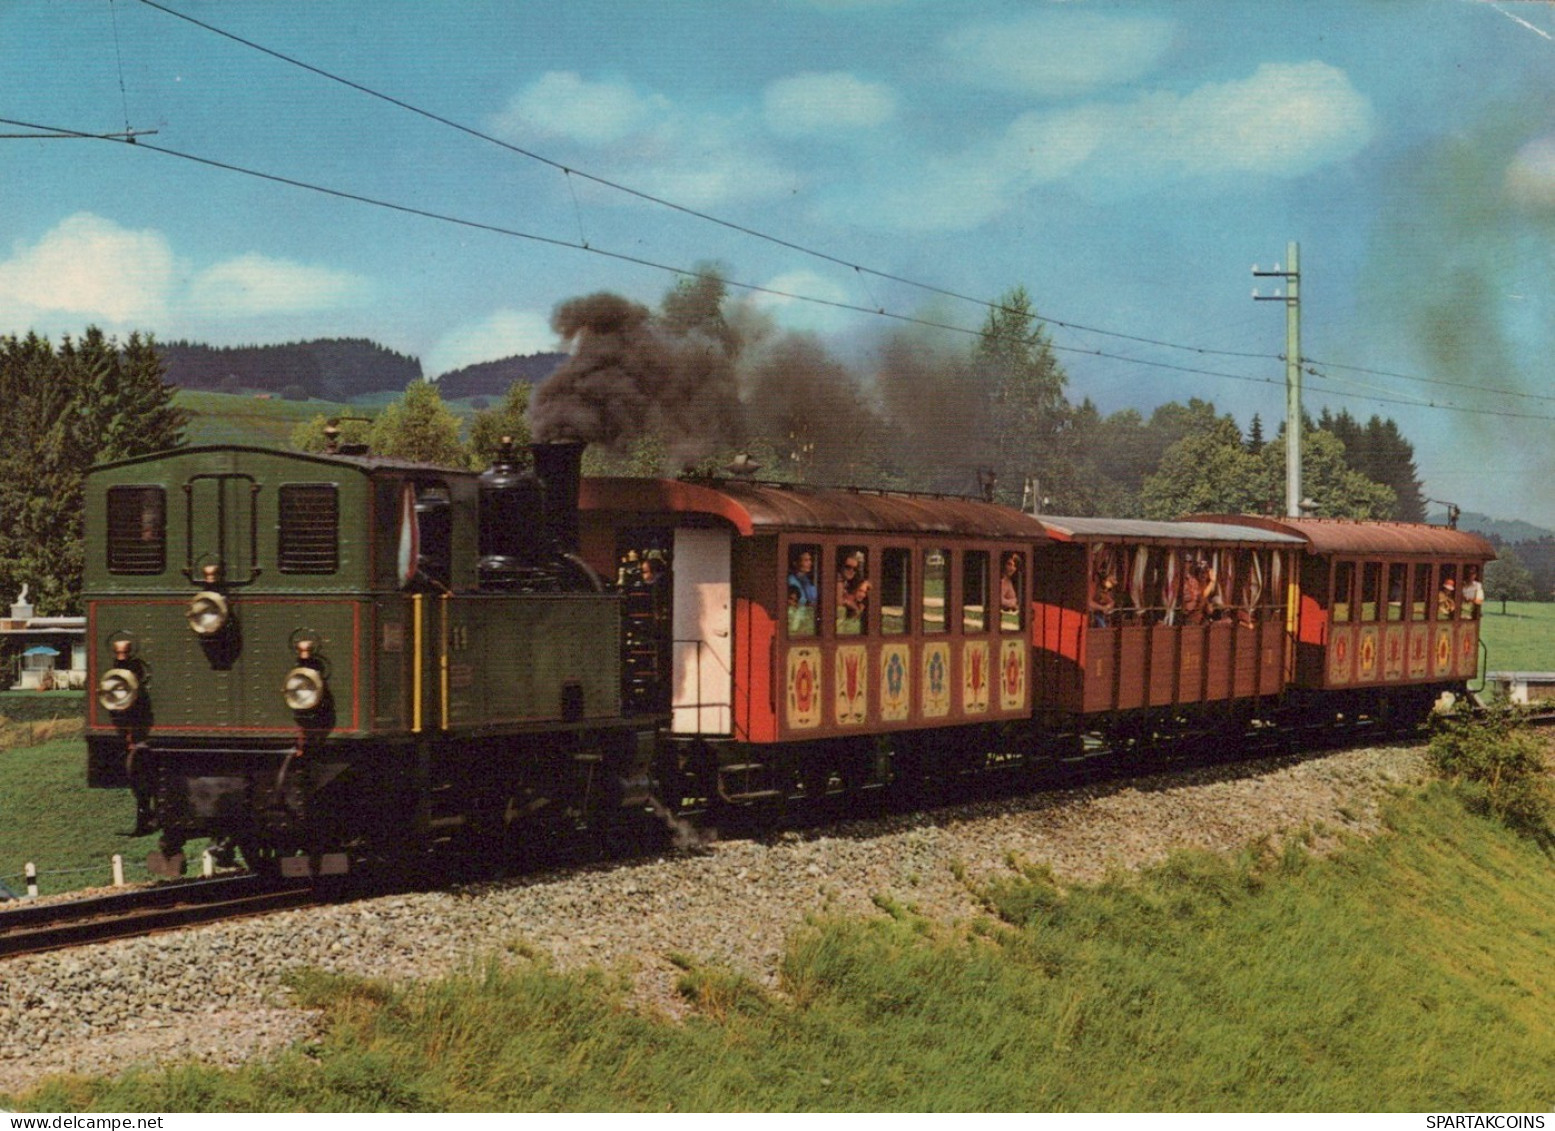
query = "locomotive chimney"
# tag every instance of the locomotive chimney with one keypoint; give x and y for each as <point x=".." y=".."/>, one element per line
<point x="559" y="465"/>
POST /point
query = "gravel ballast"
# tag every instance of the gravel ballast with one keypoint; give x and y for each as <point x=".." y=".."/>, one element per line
<point x="215" y="992"/>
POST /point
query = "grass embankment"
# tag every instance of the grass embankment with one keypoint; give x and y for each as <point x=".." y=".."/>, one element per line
<point x="1412" y="972"/>
<point x="1520" y="640"/>
<point x="49" y="817"/>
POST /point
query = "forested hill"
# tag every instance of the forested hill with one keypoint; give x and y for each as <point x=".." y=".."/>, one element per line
<point x="1499" y="530"/>
<point x="334" y="369"/>
<point x="492" y="378"/>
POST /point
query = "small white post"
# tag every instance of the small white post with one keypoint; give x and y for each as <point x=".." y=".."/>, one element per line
<point x="118" y="870"/>
<point x="32" y="880"/>
<point x="207" y="863"/>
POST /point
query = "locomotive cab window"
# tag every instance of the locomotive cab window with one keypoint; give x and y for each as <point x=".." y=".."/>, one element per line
<point x="1012" y="591"/>
<point x="804" y="596"/>
<point x="974" y="591"/>
<point x="434" y="516"/>
<point x="137" y="530"/>
<point x="308" y="537"/>
<point x="895" y="590"/>
<point x="853" y="590"/>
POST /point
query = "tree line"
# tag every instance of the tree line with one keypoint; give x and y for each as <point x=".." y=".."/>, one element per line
<point x="992" y="414"/>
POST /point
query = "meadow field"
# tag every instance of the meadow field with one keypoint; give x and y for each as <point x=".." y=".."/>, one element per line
<point x="1411" y="972"/>
<point x="1522" y="639"/>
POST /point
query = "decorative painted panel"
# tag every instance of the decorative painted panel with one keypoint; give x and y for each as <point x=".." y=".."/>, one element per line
<point x="936" y="680"/>
<point x="804" y="692"/>
<point x="1341" y="656"/>
<point x="1366" y="650"/>
<point x="974" y="677"/>
<point x="851" y="684"/>
<point x="1441" y="656"/>
<point x="895" y="683"/>
<point x="1393" y="638"/>
<point x="1012" y="669"/>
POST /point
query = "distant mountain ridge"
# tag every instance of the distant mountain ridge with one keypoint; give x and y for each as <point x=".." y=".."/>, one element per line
<point x="336" y="369"/>
<point x="1499" y="530"/>
<point x="493" y="378"/>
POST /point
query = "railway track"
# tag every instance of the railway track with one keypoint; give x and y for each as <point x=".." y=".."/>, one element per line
<point x="34" y="929"/>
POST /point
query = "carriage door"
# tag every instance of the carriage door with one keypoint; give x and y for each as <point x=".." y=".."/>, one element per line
<point x="703" y="667"/>
<point x="222" y="527"/>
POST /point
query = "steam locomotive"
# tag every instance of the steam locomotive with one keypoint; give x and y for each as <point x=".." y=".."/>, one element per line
<point x="322" y="660"/>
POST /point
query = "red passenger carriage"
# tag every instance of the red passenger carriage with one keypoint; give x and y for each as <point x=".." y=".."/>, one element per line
<point x="806" y="623"/>
<point x="1389" y="613"/>
<point x="1136" y="619"/>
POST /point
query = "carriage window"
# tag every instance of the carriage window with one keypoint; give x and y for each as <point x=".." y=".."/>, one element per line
<point x="1371" y="584"/>
<point x="1447" y="593"/>
<point x="1396" y="572"/>
<point x="974" y="591"/>
<point x="1344" y="586"/>
<point x="1473" y="595"/>
<point x="1420" y="592"/>
<point x="308" y="540"/>
<point x="853" y="590"/>
<point x="895" y="590"/>
<point x="804" y="598"/>
<point x="936" y="589"/>
<point x="137" y="530"/>
<point x="1012" y="591"/>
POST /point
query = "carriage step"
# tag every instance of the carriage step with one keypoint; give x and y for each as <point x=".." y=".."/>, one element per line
<point x="742" y="767"/>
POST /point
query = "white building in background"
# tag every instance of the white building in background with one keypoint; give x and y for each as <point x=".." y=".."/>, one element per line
<point x="41" y="653"/>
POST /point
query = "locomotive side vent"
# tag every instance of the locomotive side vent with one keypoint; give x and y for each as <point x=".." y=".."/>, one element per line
<point x="309" y="528"/>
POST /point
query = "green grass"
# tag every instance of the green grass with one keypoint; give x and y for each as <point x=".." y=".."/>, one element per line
<point x="1520" y="640"/>
<point x="227" y="418"/>
<point x="1411" y="973"/>
<point x="231" y="418"/>
<point x="49" y="817"/>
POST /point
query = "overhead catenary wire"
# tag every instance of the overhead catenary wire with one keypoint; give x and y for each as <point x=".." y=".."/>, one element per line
<point x="860" y="271"/>
<point x="624" y="257"/>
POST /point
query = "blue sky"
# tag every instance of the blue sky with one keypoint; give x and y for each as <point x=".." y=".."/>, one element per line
<point x="1126" y="163"/>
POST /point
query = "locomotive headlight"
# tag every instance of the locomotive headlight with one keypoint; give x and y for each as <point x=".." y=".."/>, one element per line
<point x="208" y="613"/>
<point x="118" y="689"/>
<point x="303" y="689"/>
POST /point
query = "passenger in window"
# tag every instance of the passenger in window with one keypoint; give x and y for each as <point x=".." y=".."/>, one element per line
<point x="852" y="595"/>
<point x="1446" y="600"/>
<point x="801" y="617"/>
<point x="1198" y="586"/>
<point x="1104" y="601"/>
<point x="1473" y="593"/>
<point x="1009" y="584"/>
<point x="801" y="579"/>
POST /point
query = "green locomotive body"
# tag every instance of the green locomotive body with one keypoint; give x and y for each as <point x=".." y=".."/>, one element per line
<point x="316" y="656"/>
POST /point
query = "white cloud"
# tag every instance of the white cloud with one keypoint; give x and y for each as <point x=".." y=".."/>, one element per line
<point x="797" y="314"/>
<point x="1284" y="120"/>
<point x="90" y="267"/>
<point x="826" y="103"/>
<point x="564" y="104"/>
<point x="1530" y="179"/>
<point x="257" y="284"/>
<point x="700" y="160"/>
<point x="1058" y="53"/>
<point x="505" y="333"/>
